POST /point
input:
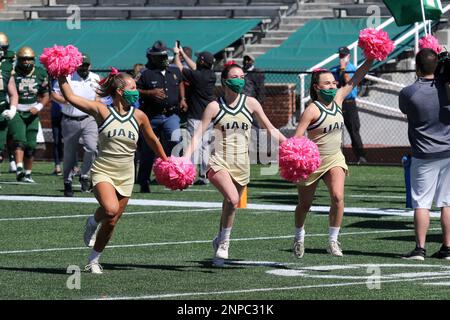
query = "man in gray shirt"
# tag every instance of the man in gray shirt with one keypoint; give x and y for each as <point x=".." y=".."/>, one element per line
<point x="427" y="108"/>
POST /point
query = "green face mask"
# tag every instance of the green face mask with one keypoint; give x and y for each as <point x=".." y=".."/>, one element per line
<point x="327" y="94"/>
<point x="235" y="84"/>
<point x="131" y="96"/>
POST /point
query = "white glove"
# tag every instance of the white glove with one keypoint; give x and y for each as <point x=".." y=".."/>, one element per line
<point x="10" y="113"/>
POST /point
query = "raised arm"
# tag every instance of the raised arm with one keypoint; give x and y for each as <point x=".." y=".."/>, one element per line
<point x="354" y="81"/>
<point x="149" y="136"/>
<point x="189" y="61"/>
<point x="88" y="106"/>
<point x="210" y="111"/>
<point x="258" y="111"/>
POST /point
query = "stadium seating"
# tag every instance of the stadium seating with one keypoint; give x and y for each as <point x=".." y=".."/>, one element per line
<point x="167" y="9"/>
<point x="359" y="9"/>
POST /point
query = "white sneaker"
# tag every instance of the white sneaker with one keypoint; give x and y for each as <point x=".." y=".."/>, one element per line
<point x="334" y="248"/>
<point x="222" y="250"/>
<point x="94" y="267"/>
<point x="299" y="248"/>
<point x="90" y="233"/>
<point x="28" y="179"/>
<point x="12" y="167"/>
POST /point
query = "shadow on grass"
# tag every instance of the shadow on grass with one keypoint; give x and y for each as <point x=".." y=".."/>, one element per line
<point x="382" y="224"/>
<point x="348" y="253"/>
<point x="434" y="238"/>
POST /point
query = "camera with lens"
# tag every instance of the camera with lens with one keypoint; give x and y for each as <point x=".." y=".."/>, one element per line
<point x="443" y="68"/>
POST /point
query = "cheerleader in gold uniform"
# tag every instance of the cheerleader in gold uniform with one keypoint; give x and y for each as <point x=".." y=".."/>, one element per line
<point x="113" y="170"/>
<point x="229" y="165"/>
<point x="324" y="123"/>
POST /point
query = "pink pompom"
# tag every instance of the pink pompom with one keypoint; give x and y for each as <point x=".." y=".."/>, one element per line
<point x="375" y="44"/>
<point x="176" y="173"/>
<point x="430" y="42"/>
<point x="299" y="157"/>
<point x="61" y="61"/>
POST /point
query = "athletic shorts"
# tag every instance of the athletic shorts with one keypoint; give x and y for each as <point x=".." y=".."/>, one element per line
<point x="430" y="182"/>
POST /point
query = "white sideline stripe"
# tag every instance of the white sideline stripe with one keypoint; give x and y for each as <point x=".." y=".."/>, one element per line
<point x="19" y="183"/>
<point x="330" y="285"/>
<point x="347" y="195"/>
<point x="153" y="244"/>
<point x="195" y="204"/>
<point x="87" y="215"/>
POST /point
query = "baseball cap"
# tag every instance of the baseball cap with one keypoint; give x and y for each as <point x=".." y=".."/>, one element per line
<point x="205" y="56"/>
<point x="249" y="56"/>
<point x="159" y="48"/>
<point x="343" y="50"/>
<point x="86" y="58"/>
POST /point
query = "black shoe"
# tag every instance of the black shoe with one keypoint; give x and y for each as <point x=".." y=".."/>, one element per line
<point x="20" y="174"/>
<point x="68" y="192"/>
<point x="145" y="188"/>
<point x="417" y="254"/>
<point x="201" y="182"/>
<point x="86" y="184"/>
<point x="443" y="253"/>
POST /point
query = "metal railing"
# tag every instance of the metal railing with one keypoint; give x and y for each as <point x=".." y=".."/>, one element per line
<point x="354" y="46"/>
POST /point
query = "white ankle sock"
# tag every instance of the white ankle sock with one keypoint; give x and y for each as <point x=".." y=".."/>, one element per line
<point x="27" y="171"/>
<point x="94" y="256"/>
<point x="299" y="234"/>
<point x="225" y="234"/>
<point x="19" y="165"/>
<point x="333" y="233"/>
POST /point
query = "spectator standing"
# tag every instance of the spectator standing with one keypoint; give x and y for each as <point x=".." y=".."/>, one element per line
<point x="202" y="81"/>
<point x="77" y="124"/>
<point x="163" y="96"/>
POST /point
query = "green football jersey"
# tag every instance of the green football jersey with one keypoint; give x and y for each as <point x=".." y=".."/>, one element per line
<point x="6" y="68"/>
<point x="30" y="86"/>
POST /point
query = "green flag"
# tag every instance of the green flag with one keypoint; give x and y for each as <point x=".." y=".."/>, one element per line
<point x="409" y="11"/>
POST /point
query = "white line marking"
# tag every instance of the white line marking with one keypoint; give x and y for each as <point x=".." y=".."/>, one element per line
<point x="19" y="183"/>
<point x="87" y="215"/>
<point x="437" y="284"/>
<point x="153" y="244"/>
<point x="194" y="204"/>
<point x="347" y="195"/>
<point x="330" y="285"/>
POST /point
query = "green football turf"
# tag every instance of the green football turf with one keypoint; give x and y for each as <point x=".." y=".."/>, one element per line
<point x="164" y="252"/>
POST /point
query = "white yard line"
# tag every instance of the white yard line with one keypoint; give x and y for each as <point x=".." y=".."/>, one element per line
<point x="154" y="244"/>
<point x="347" y="195"/>
<point x="200" y="204"/>
<point x="87" y="215"/>
<point x="209" y="293"/>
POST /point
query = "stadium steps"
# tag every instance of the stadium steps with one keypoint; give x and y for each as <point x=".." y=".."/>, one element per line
<point x="300" y="14"/>
<point x="9" y="11"/>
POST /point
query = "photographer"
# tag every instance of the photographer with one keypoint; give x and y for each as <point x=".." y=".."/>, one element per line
<point x="428" y="111"/>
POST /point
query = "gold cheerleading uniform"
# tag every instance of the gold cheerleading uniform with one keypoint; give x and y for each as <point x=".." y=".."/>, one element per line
<point x="232" y="128"/>
<point x="117" y="141"/>
<point x="326" y="132"/>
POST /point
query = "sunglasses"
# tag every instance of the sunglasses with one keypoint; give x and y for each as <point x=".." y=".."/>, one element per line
<point x="26" y="58"/>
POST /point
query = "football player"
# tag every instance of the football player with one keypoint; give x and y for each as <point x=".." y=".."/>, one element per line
<point x="8" y="91"/>
<point x="33" y="89"/>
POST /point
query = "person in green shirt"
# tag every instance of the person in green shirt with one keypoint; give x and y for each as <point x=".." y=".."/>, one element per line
<point x="8" y="92"/>
<point x="33" y="89"/>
